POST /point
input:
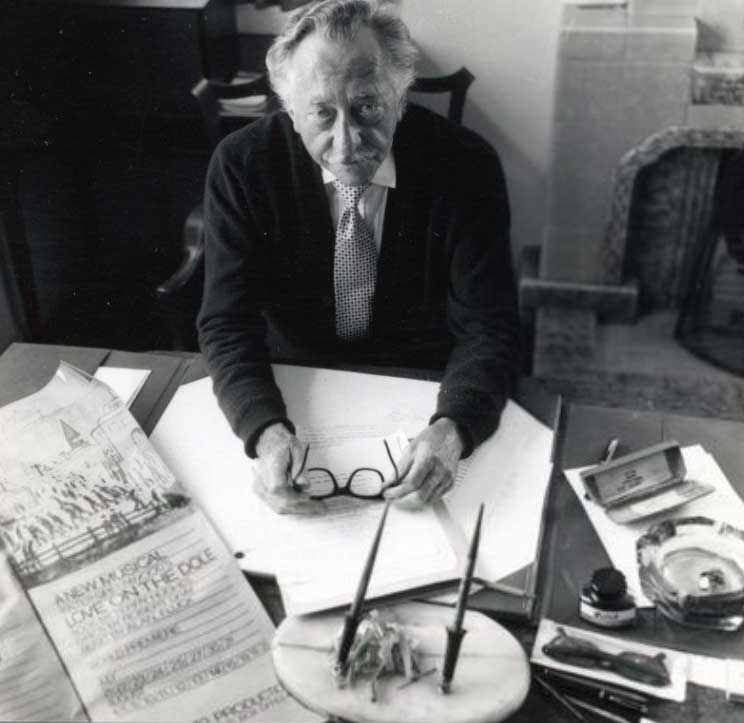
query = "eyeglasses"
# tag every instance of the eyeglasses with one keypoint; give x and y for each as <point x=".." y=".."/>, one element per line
<point x="364" y="483"/>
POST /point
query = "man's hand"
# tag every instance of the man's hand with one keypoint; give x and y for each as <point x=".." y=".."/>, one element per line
<point x="427" y="466"/>
<point x="280" y="479"/>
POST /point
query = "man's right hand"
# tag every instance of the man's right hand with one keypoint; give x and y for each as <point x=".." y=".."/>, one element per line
<point x="281" y="480"/>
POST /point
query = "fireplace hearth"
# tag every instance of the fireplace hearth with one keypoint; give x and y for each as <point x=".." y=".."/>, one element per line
<point x="649" y="103"/>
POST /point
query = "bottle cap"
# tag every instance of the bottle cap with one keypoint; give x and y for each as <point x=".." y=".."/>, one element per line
<point x="608" y="582"/>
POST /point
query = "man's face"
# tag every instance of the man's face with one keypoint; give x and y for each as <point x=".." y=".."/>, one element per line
<point x="343" y="104"/>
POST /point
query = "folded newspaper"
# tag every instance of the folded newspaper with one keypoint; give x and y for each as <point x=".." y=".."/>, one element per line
<point x="118" y="600"/>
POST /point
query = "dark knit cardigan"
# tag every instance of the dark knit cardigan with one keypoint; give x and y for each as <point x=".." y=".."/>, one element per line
<point x="445" y="295"/>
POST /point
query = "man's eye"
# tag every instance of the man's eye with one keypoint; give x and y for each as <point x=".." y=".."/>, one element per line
<point x="323" y="113"/>
<point x="369" y="109"/>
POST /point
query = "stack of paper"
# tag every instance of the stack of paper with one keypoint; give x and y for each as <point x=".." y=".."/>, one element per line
<point x="318" y="560"/>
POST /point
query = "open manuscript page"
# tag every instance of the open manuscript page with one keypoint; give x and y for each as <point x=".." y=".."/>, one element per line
<point x="344" y="416"/>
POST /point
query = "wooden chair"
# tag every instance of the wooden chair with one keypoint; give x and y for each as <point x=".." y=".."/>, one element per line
<point x="225" y="106"/>
<point x="455" y="84"/>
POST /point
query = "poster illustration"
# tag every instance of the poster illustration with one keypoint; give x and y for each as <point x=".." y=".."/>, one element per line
<point x="142" y="604"/>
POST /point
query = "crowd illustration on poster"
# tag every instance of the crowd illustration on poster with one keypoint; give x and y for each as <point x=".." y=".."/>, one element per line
<point x="75" y="492"/>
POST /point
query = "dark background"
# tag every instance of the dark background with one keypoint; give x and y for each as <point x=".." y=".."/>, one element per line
<point x="103" y="154"/>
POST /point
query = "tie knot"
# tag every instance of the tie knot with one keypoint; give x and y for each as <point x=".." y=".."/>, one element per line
<point x="350" y="194"/>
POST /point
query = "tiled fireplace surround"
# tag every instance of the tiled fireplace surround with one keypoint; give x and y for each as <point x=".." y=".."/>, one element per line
<point x="654" y="83"/>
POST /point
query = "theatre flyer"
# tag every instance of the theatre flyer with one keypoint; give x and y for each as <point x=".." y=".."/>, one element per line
<point x="144" y="607"/>
<point x="33" y="684"/>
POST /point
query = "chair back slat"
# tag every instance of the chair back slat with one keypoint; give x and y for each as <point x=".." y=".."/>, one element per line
<point x="456" y="84"/>
<point x="210" y="95"/>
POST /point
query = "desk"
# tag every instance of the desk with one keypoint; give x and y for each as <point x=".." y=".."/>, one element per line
<point x="24" y="368"/>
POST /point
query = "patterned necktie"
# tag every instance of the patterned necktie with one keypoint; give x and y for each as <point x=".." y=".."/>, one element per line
<point x="354" y="266"/>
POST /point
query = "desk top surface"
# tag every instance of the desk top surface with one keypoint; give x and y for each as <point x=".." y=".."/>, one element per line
<point x="24" y="368"/>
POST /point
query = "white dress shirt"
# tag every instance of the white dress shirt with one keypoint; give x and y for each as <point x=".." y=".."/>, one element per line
<point x="373" y="202"/>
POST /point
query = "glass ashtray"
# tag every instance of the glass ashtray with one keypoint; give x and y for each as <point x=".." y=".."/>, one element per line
<point x="692" y="568"/>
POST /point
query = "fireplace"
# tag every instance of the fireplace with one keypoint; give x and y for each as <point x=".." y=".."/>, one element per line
<point x="649" y="104"/>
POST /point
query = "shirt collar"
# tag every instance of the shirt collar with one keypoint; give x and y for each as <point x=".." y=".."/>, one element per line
<point x="384" y="176"/>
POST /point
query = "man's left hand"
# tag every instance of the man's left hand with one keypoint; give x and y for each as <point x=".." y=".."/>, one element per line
<point x="427" y="466"/>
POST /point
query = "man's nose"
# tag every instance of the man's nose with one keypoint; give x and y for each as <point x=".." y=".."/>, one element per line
<point x="345" y="136"/>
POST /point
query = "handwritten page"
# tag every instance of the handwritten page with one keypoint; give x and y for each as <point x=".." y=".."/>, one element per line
<point x="318" y="557"/>
<point x="509" y="472"/>
<point x="143" y="604"/>
<point x="619" y="540"/>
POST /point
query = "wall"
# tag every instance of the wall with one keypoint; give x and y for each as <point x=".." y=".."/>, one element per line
<point x="510" y="47"/>
<point x="721" y="25"/>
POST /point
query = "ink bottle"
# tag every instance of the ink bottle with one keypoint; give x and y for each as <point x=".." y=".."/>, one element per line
<point x="605" y="600"/>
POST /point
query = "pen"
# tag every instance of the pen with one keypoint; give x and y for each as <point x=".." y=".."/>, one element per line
<point x="550" y="690"/>
<point x="456" y="632"/>
<point x="353" y="617"/>
<point x="600" y="691"/>
<point x="610" y="450"/>
<point x="596" y="710"/>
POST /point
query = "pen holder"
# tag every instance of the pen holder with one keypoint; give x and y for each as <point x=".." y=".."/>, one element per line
<point x="451" y="653"/>
<point x="492" y="671"/>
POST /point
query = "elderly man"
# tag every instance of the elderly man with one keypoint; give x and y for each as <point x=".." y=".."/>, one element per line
<point x="351" y="227"/>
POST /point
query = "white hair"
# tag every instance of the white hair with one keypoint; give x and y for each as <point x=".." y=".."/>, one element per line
<point x="342" y="20"/>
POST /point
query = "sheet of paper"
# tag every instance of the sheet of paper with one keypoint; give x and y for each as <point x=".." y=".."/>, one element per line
<point x="676" y="662"/>
<point x="620" y="540"/>
<point x="510" y="471"/>
<point x="202" y="459"/>
<point x="352" y="400"/>
<point x="166" y="629"/>
<point x="126" y="383"/>
<point x="707" y="671"/>
<point x="142" y="602"/>
<point x="414" y="552"/>
<point x="415" y="549"/>
<point x="33" y="684"/>
<point x="196" y="442"/>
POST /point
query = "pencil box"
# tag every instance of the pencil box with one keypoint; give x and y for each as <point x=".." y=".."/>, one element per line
<point x="642" y="484"/>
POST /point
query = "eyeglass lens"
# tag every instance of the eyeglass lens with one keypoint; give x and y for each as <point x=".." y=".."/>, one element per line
<point x="364" y="483"/>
